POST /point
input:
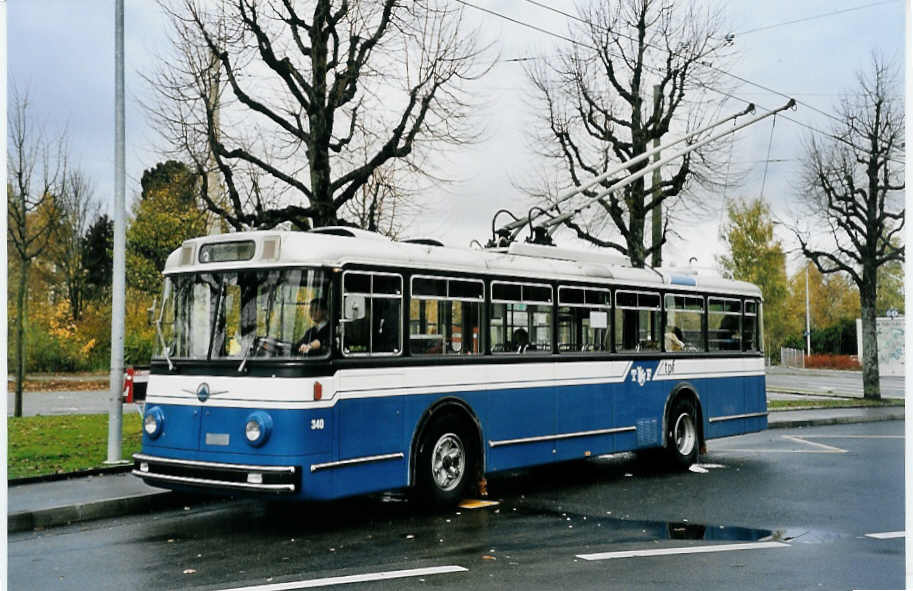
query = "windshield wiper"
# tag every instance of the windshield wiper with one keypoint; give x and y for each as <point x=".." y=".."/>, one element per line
<point x="247" y="354"/>
<point x="158" y="330"/>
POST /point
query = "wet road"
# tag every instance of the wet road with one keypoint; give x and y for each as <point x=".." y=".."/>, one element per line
<point x="790" y="507"/>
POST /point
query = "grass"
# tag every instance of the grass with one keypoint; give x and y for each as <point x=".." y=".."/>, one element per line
<point x="825" y="403"/>
<point x="64" y="443"/>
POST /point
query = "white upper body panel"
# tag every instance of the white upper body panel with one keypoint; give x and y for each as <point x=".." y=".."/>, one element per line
<point x="312" y="249"/>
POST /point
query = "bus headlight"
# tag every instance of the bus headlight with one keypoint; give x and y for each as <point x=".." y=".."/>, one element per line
<point x="154" y="422"/>
<point x="257" y="428"/>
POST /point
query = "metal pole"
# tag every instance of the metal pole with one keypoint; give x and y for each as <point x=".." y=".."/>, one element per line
<point x="115" y="408"/>
<point x="808" y="318"/>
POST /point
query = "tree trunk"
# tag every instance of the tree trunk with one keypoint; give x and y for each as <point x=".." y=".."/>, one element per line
<point x="20" y="334"/>
<point x="870" y="378"/>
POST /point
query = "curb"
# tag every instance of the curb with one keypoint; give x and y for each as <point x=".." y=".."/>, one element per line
<point x="786" y="424"/>
<point x="80" y="512"/>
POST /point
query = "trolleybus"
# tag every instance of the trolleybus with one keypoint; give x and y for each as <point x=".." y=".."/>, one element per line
<point x="336" y="362"/>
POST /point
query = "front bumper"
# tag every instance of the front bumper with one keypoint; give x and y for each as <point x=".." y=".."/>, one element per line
<point x="154" y="470"/>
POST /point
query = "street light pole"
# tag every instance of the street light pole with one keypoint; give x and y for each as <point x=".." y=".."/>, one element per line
<point x="115" y="408"/>
<point x="808" y="317"/>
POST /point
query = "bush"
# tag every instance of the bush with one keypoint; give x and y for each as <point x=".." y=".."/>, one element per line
<point x="828" y="361"/>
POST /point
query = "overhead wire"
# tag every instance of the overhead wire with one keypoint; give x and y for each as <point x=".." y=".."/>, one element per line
<point x="815" y="17"/>
<point x="711" y="88"/>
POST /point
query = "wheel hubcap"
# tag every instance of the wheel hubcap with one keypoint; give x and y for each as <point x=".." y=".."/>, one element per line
<point x="685" y="435"/>
<point x="448" y="462"/>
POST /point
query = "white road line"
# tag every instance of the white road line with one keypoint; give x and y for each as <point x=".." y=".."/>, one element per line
<point x="887" y="535"/>
<point x="831" y="448"/>
<point x="688" y="550"/>
<point x="773" y="451"/>
<point x="381" y="576"/>
<point x="852" y="437"/>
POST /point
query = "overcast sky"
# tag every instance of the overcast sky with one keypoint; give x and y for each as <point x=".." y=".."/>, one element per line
<point x="62" y="53"/>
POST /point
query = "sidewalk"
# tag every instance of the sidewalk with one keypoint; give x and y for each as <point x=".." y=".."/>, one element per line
<point x="47" y="504"/>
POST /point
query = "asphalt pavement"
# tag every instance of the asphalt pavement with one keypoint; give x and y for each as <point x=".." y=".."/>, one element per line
<point x="61" y="502"/>
<point x="809" y="508"/>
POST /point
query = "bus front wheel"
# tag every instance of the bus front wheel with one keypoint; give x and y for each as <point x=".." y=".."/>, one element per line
<point x="682" y="438"/>
<point x="445" y="462"/>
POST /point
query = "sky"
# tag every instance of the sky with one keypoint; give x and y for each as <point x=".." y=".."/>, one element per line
<point x="61" y="53"/>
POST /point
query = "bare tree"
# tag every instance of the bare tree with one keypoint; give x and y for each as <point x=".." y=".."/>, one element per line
<point x="283" y="100"/>
<point x="634" y="72"/>
<point x="76" y="209"/>
<point x="35" y="165"/>
<point x="853" y="185"/>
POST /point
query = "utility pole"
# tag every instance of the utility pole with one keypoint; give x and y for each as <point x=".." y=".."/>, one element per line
<point x="657" y="259"/>
<point x="115" y="408"/>
<point x="808" y="317"/>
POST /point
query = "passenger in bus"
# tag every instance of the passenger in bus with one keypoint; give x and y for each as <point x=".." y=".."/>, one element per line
<point x="675" y="340"/>
<point x="520" y="340"/>
<point x="317" y="337"/>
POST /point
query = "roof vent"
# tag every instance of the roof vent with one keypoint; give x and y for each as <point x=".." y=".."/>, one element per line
<point x="348" y="232"/>
<point x="424" y="241"/>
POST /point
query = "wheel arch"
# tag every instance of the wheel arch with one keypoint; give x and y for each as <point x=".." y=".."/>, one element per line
<point x="684" y="390"/>
<point x="461" y="409"/>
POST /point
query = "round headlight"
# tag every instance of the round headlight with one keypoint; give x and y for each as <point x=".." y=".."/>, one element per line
<point x="252" y="430"/>
<point x="154" y="422"/>
<point x="257" y="428"/>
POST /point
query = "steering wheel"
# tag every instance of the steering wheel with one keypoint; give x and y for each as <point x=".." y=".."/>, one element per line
<point x="270" y="347"/>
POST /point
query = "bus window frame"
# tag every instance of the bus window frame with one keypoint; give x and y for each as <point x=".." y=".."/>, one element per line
<point x="447" y="279"/>
<point x="489" y="305"/>
<point x="609" y="308"/>
<point x="615" y="307"/>
<point x="739" y="315"/>
<point x="343" y="322"/>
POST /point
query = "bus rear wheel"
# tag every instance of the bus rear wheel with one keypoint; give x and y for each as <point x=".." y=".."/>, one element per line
<point x="682" y="438"/>
<point x="445" y="462"/>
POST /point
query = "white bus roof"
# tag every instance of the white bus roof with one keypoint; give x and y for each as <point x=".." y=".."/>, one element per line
<point x="352" y="246"/>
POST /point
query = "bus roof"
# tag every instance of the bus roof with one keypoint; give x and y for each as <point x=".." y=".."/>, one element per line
<point x="336" y="247"/>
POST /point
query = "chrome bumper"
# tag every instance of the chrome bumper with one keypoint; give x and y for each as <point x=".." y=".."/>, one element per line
<point x="274" y="479"/>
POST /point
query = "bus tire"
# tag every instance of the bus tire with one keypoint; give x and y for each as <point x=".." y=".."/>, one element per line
<point x="682" y="436"/>
<point x="445" y="462"/>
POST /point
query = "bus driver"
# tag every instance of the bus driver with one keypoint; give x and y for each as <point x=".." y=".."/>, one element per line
<point x="318" y="335"/>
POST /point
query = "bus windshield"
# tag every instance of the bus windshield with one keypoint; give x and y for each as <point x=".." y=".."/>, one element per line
<point x="245" y="314"/>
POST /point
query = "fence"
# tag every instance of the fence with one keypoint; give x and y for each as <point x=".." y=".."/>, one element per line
<point x="792" y="357"/>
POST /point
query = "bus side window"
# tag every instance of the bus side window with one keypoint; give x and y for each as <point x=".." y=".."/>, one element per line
<point x="637" y="321"/>
<point x="376" y="331"/>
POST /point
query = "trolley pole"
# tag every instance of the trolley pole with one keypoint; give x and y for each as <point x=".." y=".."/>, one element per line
<point x="115" y="408"/>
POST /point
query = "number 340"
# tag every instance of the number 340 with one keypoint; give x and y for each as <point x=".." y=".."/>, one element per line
<point x="316" y="424"/>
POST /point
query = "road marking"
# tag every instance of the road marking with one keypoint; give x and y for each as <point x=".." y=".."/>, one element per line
<point x="887" y="535"/>
<point x="381" y="576"/>
<point x="822" y="448"/>
<point x="687" y="550"/>
<point x="833" y="449"/>
<point x="774" y="451"/>
<point x="852" y="436"/>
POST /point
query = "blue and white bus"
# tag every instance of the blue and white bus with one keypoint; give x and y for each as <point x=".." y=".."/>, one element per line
<point x="336" y="362"/>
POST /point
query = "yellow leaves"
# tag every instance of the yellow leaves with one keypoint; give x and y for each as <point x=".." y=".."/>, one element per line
<point x="87" y="347"/>
<point x="60" y="325"/>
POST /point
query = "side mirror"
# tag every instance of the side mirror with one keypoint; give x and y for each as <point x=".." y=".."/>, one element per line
<point x="355" y="308"/>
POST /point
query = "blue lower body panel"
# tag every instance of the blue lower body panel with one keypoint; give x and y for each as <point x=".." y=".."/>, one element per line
<point x="362" y="445"/>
